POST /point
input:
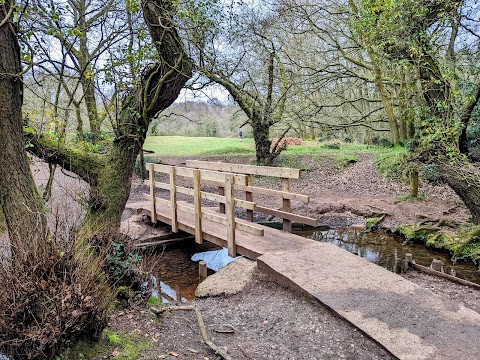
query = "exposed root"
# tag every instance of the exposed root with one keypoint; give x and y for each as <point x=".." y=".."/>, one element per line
<point x="201" y="325"/>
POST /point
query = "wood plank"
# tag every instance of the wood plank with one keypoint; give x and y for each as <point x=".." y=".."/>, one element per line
<point x="287" y="224"/>
<point x="221" y="192"/>
<point x="245" y="169"/>
<point x="161" y="242"/>
<point x="173" y="198"/>
<point x="249" y="197"/>
<point x="221" y="219"/>
<point x="215" y="197"/>
<point x="212" y="176"/>
<point x="162" y="185"/>
<point x="162" y="168"/>
<point x="283" y="194"/>
<point x="158" y="201"/>
<point x="230" y="214"/>
<point x="286" y="215"/>
<point x="198" y="206"/>
<point x="153" y="209"/>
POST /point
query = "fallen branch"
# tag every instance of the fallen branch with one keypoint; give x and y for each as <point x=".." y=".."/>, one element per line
<point x="201" y="325"/>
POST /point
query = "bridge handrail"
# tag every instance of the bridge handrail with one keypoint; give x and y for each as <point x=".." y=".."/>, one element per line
<point x="285" y="174"/>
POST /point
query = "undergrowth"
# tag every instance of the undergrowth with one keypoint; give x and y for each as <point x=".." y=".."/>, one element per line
<point x="393" y="163"/>
<point x="49" y="302"/>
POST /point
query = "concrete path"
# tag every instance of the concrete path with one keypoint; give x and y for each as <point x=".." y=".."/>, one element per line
<point x="408" y="320"/>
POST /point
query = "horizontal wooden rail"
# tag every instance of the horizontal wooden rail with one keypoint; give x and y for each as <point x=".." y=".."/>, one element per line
<point x="207" y="196"/>
<point x="280" y="172"/>
<point x="206" y="175"/>
<point x="287" y="215"/>
<point x="222" y="219"/>
<point x="279" y="193"/>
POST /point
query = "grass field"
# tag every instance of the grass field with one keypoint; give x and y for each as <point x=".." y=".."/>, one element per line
<point x="185" y="146"/>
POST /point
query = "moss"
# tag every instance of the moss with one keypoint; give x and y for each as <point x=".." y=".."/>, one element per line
<point x="463" y="244"/>
<point x="345" y="160"/>
<point x="125" y="346"/>
<point x="372" y="222"/>
<point x="154" y="301"/>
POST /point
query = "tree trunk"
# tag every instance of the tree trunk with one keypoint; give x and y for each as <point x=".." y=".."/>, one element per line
<point x="88" y="87"/>
<point x="22" y="204"/>
<point x="262" y="143"/>
<point x="464" y="179"/>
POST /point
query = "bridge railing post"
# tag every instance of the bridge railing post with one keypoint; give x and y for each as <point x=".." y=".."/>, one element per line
<point x="286" y="205"/>
<point x="249" y="197"/>
<point x="197" y="199"/>
<point x="230" y="214"/>
<point x="173" y="198"/>
<point x="153" y="208"/>
<point x="221" y="191"/>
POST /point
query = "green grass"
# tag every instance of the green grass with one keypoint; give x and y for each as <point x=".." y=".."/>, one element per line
<point x="388" y="160"/>
<point x="112" y="345"/>
<point x="392" y="164"/>
<point x="195" y="146"/>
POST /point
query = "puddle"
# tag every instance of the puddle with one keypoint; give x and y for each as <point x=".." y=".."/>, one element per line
<point x="379" y="248"/>
<point x="174" y="273"/>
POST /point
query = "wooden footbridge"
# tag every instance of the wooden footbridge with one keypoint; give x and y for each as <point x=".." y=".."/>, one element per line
<point x="408" y="320"/>
<point x="219" y="224"/>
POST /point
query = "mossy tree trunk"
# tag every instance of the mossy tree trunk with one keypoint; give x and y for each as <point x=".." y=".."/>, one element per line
<point x="110" y="174"/>
<point x="22" y="204"/>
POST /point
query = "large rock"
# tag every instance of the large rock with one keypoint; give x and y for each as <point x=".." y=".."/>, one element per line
<point x="230" y="280"/>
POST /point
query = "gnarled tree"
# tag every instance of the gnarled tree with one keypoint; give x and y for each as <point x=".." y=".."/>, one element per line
<point x="110" y="174"/>
<point x="440" y="124"/>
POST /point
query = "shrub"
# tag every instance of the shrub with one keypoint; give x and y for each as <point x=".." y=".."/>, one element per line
<point x="121" y="264"/>
<point x="288" y="141"/>
<point x="430" y="172"/>
<point x="51" y="302"/>
<point x="382" y="141"/>
<point x="333" y="146"/>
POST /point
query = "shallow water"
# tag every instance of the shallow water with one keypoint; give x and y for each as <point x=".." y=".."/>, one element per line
<point x="174" y="273"/>
<point x="380" y="248"/>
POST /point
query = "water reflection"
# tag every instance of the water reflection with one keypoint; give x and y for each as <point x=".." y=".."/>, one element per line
<point x="382" y="248"/>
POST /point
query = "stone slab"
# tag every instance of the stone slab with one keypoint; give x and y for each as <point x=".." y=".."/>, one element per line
<point x="231" y="279"/>
<point x="408" y="320"/>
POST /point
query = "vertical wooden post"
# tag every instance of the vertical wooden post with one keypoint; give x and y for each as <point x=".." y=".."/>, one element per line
<point x="202" y="270"/>
<point x="153" y="208"/>
<point x="221" y="191"/>
<point x="249" y="197"/>
<point x="286" y="206"/>
<point x="198" y="206"/>
<point x="414" y="183"/>
<point x="173" y="198"/>
<point x="230" y="212"/>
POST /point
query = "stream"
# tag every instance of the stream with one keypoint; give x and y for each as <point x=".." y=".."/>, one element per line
<point x="174" y="273"/>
